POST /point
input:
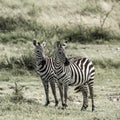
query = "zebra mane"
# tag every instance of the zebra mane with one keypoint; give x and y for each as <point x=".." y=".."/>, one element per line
<point x="43" y="62"/>
<point x="34" y="42"/>
<point x="58" y="44"/>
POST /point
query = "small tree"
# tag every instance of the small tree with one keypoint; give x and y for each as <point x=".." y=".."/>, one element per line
<point x="17" y="95"/>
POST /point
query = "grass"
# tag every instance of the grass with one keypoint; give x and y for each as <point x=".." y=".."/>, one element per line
<point x="25" y="62"/>
<point x="104" y="56"/>
<point x="31" y="106"/>
<point x="107" y="63"/>
<point x="76" y="21"/>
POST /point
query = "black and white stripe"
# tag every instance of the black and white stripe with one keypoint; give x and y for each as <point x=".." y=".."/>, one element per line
<point x="45" y="70"/>
<point x="79" y="73"/>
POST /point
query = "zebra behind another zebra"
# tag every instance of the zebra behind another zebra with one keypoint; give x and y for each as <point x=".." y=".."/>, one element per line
<point x="80" y="73"/>
<point x="45" y="70"/>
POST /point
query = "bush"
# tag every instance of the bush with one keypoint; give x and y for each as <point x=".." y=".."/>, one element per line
<point x="17" y="95"/>
<point x="8" y="24"/>
<point x="19" y="29"/>
<point x="98" y="33"/>
<point x="87" y="35"/>
<point x="25" y="62"/>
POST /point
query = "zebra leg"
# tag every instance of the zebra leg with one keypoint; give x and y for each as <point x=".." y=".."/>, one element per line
<point x="52" y="84"/>
<point x="46" y="88"/>
<point x="65" y="94"/>
<point x="85" y="97"/>
<point x="91" y="96"/>
<point x="60" y="86"/>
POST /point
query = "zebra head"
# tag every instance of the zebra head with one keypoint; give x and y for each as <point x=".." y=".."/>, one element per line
<point x="39" y="53"/>
<point x="60" y="54"/>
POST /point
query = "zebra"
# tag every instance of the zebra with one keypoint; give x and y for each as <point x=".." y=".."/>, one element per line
<point x="52" y="61"/>
<point x="79" y="73"/>
<point x="45" y="71"/>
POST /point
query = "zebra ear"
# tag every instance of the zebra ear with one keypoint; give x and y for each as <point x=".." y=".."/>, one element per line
<point x="34" y="42"/>
<point x="58" y="44"/>
<point x="39" y="43"/>
<point x="64" y="45"/>
<point x="43" y="44"/>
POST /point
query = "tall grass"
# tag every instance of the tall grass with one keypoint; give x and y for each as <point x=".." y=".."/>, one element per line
<point x="28" y="62"/>
<point x="72" y="20"/>
<point x="106" y="63"/>
<point x="17" y="95"/>
<point x="84" y="34"/>
<point x="24" y="62"/>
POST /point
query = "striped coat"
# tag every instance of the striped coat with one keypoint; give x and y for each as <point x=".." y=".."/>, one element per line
<point x="45" y="70"/>
<point x="79" y="73"/>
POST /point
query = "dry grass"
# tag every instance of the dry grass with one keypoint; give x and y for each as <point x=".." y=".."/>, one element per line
<point x="26" y="20"/>
<point x="31" y="107"/>
<point x="55" y="12"/>
<point x="107" y="99"/>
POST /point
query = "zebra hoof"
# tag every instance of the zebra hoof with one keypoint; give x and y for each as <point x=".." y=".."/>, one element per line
<point x="56" y="103"/>
<point x="84" y="107"/>
<point x="64" y="105"/>
<point x="47" y="103"/>
<point x="93" y="108"/>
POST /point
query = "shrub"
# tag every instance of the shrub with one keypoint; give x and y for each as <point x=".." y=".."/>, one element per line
<point x="17" y="95"/>
<point x="87" y="34"/>
<point x="27" y="61"/>
<point x="98" y="33"/>
<point x="8" y="24"/>
<point x="24" y="62"/>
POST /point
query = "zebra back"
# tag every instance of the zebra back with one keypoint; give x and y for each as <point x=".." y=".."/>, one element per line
<point x="82" y="69"/>
<point x="79" y="71"/>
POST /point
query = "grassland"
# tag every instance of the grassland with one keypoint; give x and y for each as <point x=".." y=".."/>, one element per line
<point x="31" y="105"/>
<point x="72" y="20"/>
<point x="92" y="29"/>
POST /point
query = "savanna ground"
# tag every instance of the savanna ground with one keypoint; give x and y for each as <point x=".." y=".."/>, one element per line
<point x="92" y="29"/>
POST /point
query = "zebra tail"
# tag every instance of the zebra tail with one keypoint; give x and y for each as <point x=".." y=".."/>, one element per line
<point x="77" y="89"/>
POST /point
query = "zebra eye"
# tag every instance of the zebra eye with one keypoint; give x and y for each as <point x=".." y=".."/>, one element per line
<point x="60" y="52"/>
<point x="37" y="51"/>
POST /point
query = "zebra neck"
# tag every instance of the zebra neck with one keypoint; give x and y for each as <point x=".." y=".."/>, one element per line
<point x="57" y="64"/>
<point x="41" y="63"/>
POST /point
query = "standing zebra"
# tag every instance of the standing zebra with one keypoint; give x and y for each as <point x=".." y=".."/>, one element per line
<point x="45" y="70"/>
<point x="79" y="73"/>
